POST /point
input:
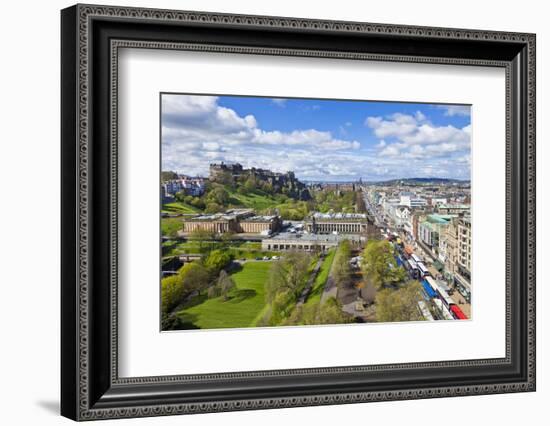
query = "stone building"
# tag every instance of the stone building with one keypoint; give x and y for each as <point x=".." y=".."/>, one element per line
<point x="465" y="246"/>
<point x="341" y="223"/>
<point x="237" y="220"/>
<point x="216" y="223"/>
<point x="307" y="242"/>
<point x="260" y="224"/>
<point x="448" y="247"/>
<point x="430" y="230"/>
<point x="459" y="209"/>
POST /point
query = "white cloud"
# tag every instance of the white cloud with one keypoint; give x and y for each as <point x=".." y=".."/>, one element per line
<point x="454" y="110"/>
<point x="399" y="125"/>
<point x="391" y="151"/>
<point x="279" y="102"/>
<point x="197" y="130"/>
<point x="427" y="134"/>
<point x="419" y="116"/>
<point x="414" y="137"/>
<point x="311" y="137"/>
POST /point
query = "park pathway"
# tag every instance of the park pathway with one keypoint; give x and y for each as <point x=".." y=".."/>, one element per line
<point x="307" y="289"/>
<point x="331" y="289"/>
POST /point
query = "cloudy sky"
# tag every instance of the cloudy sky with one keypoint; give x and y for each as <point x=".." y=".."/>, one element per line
<point x="320" y="140"/>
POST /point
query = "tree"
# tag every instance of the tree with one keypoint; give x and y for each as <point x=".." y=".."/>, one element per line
<point x="217" y="260"/>
<point x="194" y="276"/>
<point x="213" y="291"/>
<point x="226" y="238"/>
<point x="168" y="322"/>
<point x="330" y="312"/>
<point x="172" y="292"/>
<point x="267" y="187"/>
<point x="341" y="270"/>
<point x="213" y="208"/>
<point x="201" y="236"/>
<point x="281" y="307"/>
<point x="251" y="184"/>
<point x="368" y="292"/>
<point x="198" y="203"/>
<point x="379" y="264"/>
<point x="218" y="195"/>
<point x="225" y="284"/>
<point x="399" y="305"/>
<point x="288" y="274"/>
<point x="181" y="196"/>
<point x="285" y="282"/>
<point x="225" y="178"/>
<point x="168" y="175"/>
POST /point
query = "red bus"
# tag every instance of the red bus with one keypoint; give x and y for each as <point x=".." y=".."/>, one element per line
<point x="457" y="313"/>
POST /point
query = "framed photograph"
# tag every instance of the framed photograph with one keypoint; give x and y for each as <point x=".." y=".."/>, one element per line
<point x="263" y="212"/>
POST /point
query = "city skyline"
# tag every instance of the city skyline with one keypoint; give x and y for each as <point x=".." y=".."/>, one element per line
<point x="319" y="140"/>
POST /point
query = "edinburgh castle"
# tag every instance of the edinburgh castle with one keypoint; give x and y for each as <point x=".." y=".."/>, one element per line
<point x="282" y="183"/>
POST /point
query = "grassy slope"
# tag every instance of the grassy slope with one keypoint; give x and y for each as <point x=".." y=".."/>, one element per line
<point x="320" y="280"/>
<point x="170" y="225"/>
<point x="247" y="300"/>
<point x="178" y="207"/>
<point x="254" y="200"/>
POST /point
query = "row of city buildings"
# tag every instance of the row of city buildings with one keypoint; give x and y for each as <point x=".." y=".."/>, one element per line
<point x="319" y="231"/>
<point x="194" y="186"/>
<point x="438" y="221"/>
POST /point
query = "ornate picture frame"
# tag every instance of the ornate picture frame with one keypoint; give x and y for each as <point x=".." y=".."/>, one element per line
<point x="91" y="37"/>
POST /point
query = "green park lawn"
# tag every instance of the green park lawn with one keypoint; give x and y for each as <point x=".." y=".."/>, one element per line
<point x="319" y="284"/>
<point x="254" y="200"/>
<point x="239" y="249"/>
<point x="179" y="207"/>
<point x="170" y="225"/>
<point x="246" y="301"/>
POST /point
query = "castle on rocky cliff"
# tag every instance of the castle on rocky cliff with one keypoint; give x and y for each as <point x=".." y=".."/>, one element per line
<point x="284" y="183"/>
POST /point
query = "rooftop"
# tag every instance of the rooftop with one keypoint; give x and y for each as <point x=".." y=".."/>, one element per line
<point x="260" y="218"/>
<point x="318" y="215"/>
<point x="440" y="218"/>
<point x="454" y="206"/>
<point x="326" y="238"/>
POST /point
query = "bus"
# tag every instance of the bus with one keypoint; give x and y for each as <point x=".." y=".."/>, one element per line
<point x="457" y="313"/>
<point x="415" y="258"/>
<point x="422" y="269"/>
<point x="412" y="268"/>
<point x="444" y="296"/>
<point x="425" y="311"/>
<point x="431" y="282"/>
<point x="430" y="292"/>
<point x="443" y="310"/>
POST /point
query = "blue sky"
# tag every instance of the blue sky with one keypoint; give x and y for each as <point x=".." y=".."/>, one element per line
<point x="326" y="140"/>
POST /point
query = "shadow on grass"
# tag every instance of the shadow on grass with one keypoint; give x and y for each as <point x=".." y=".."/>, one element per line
<point x="242" y="294"/>
<point x="235" y="267"/>
<point x="186" y="321"/>
<point x="317" y="290"/>
<point x="194" y="301"/>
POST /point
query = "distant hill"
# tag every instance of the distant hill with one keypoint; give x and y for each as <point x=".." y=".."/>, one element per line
<point x="422" y="181"/>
